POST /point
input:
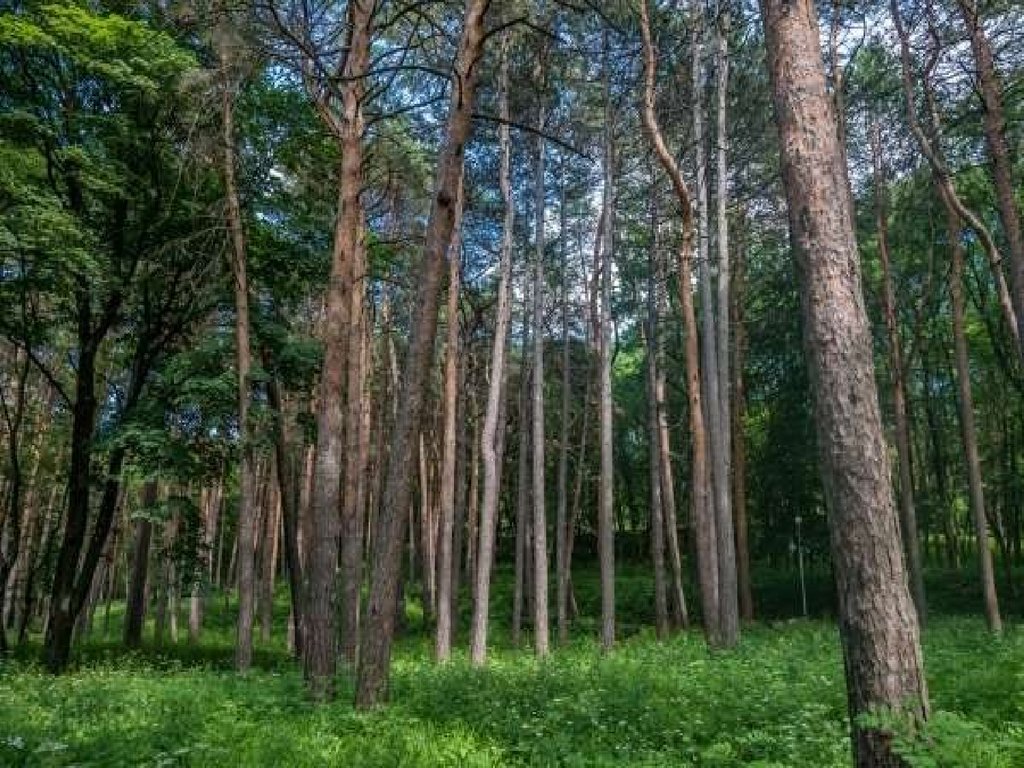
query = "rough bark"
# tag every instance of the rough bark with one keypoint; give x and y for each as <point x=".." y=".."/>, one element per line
<point x="375" y="656"/>
<point x="878" y="625"/>
<point x="320" y="641"/>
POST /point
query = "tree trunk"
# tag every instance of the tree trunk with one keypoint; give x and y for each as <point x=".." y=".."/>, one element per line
<point x="739" y="443"/>
<point x="522" y="504"/>
<point x="443" y="635"/>
<point x="965" y="403"/>
<point x="729" y="617"/>
<point x="878" y="625"/>
<point x="702" y="505"/>
<point x="606" y="495"/>
<point x="657" y="522"/>
<point x="908" y="514"/>
<point x="320" y="641"/>
<point x="135" y="609"/>
<point x="490" y="453"/>
<point x="246" y="472"/>
<point x="561" y="515"/>
<point x="375" y="656"/>
<point x="537" y="474"/>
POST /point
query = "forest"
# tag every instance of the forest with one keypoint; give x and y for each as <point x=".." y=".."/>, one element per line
<point x="512" y="382"/>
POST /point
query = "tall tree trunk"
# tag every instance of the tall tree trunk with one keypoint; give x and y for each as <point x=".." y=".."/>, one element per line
<point x="268" y="552"/>
<point x="657" y="522"/>
<point x="739" y="443"/>
<point x="878" y="625"/>
<point x="965" y="403"/>
<point x="375" y="655"/>
<point x="606" y="494"/>
<point x="320" y="641"/>
<point x="491" y="455"/>
<point x="286" y="460"/>
<point x="522" y="503"/>
<point x="357" y="453"/>
<point x="537" y="474"/>
<point x="246" y="471"/>
<point x="729" y="617"/>
<point x="702" y="504"/>
<point x="908" y="514"/>
<point x="561" y="514"/>
<point x="443" y="634"/>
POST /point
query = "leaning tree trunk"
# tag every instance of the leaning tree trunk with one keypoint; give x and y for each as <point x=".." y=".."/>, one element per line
<point x="375" y="655"/>
<point x="878" y="625"/>
<point x="491" y="455"/>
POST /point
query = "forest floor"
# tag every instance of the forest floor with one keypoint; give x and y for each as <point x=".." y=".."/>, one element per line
<point x="778" y="700"/>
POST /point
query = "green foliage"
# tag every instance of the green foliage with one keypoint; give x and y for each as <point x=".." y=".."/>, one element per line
<point x="776" y="701"/>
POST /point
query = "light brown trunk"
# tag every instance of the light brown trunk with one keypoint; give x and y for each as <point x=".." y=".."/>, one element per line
<point x="878" y="624"/>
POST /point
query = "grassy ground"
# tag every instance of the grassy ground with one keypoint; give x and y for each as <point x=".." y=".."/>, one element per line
<point x="776" y="701"/>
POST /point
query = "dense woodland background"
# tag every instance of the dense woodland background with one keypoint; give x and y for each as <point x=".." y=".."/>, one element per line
<point x="349" y="305"/>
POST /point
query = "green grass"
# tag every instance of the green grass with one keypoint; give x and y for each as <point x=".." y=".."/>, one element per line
<point x="776" y="701"/>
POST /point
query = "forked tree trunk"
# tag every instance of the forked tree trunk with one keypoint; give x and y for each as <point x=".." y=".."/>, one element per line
<point x="375" y="655"/>
<point x="491" y="454"/>
<point x="878" y="624"/>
